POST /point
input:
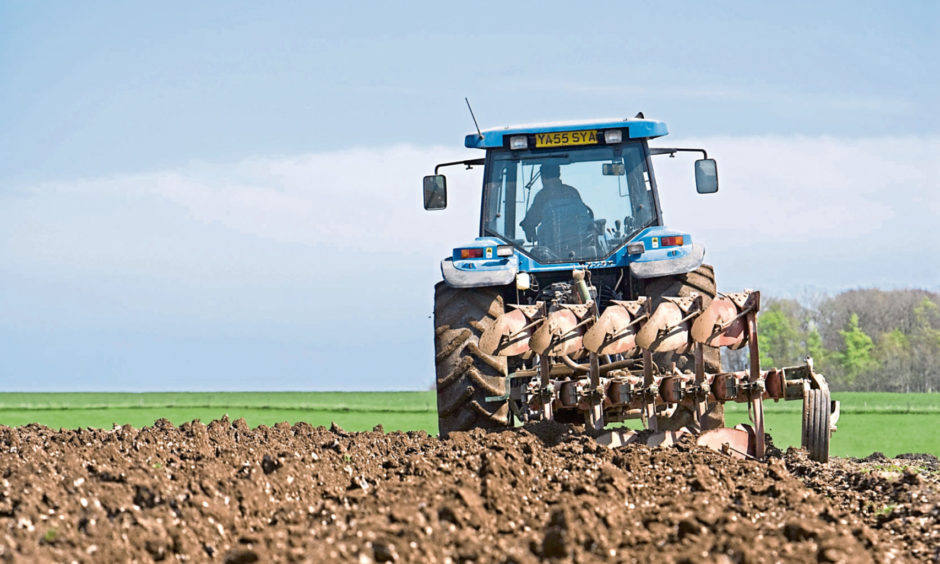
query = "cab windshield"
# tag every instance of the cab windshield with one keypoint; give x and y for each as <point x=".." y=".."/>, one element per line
<point x="568" y="205"/>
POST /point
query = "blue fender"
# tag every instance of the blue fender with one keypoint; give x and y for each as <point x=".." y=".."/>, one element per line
<point x="476" y="273"/>
<point x="680" y="263"/>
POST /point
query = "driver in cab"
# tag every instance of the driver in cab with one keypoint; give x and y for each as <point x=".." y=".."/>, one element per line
<point x="552" y="191"/>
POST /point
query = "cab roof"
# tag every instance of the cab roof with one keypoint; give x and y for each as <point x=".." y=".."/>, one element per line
<point x="633" y="128"/>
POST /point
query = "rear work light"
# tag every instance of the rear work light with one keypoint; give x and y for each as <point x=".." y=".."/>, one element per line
<point x="612" y="136"/>
<point x="518" y="142"/>
<point x="671" y="241"/>
<point x="504" y="251"/>
<point x="471" y="253"/>
<point x="635" y="248"/>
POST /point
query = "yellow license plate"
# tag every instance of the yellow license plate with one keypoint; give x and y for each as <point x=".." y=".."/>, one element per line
<point x="565" y="138"/>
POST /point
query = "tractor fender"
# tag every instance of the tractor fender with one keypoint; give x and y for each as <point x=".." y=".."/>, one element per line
<point x="477" y="273"/>
<point x="655" y="267"/>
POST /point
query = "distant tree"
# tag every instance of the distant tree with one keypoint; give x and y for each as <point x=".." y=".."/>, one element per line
<point x="893" y="356"/>
<point x="822" y="357"/>
<point x="856" y="358"/>
<point x="779" y="334"/>
<point x="876" y="340"/>
<point x="927" y="314"/>
<point x="879" y="312"/>
<point x="925" y="346"/>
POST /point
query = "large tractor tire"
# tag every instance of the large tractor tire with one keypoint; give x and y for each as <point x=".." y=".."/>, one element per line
<point x="701" y="281"/>
<point x="466" y="376"/>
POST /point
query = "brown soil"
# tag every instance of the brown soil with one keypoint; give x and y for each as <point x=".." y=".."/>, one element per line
<point x="225" y="492"/>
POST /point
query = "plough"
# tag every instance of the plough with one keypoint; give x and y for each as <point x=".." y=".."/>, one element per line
<point x="575" y="359"/>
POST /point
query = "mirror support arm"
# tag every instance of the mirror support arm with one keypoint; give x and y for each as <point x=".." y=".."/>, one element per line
<point x="672" y="151"/>
<point x="469" y="163"/>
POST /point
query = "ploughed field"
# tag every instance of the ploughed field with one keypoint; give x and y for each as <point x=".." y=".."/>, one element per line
<point x="230" y="493"/>
<point x="890" y="423"/>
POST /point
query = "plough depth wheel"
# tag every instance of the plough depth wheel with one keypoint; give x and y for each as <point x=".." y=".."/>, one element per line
<point x="816" y="426"/>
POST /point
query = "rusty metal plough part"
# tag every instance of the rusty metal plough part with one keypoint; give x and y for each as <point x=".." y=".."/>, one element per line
<point x="600" y="364"/>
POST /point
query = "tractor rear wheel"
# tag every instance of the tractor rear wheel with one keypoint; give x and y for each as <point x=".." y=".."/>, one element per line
<point x="700" y="281"/>
<point x="465" y="375"/>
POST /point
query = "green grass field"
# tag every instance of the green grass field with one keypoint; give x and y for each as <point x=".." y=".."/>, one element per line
<point x="890" y="423"/>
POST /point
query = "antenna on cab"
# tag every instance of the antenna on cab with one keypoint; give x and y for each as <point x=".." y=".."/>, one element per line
<point x="480" y="133"/>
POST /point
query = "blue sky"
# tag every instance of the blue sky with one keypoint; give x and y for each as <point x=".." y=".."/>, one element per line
<point x="225" y="196"/>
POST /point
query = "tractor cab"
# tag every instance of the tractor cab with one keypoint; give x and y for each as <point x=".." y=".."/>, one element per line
<point x="572" y="205"/>
<point x="569" y="193"/>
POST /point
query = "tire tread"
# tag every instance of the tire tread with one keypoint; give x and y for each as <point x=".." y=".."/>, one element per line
<point x="816" y="432"/>
<point x="465" y="376"/>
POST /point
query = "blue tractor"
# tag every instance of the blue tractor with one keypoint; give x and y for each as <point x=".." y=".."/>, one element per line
<point x="577" y="304"/>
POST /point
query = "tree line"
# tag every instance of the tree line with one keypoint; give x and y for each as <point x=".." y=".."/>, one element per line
<point x="861" y="340"/>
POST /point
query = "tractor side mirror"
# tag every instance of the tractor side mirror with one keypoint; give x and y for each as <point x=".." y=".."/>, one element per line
<point x="435" y="192"/>
<point x="706" y="176"/>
